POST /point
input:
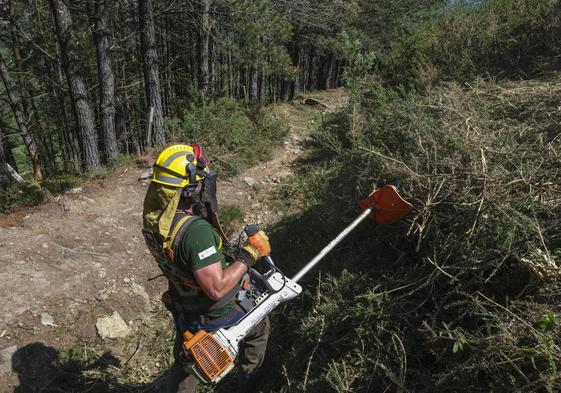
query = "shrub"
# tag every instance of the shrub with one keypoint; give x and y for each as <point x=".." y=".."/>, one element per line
<point x="231" y="217"/>
<point x="61" y="183"/>
<point x="497" y="37"/>
<point x="234" y="136"/>
<point x="463" y="295"/>
<point x="14" y="198"/>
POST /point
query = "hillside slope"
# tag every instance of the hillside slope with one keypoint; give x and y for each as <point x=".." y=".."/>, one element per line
<point x="82" y="256"/>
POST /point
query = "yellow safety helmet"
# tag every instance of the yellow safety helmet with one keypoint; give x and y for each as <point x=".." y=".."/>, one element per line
<point x="180" y="165"/>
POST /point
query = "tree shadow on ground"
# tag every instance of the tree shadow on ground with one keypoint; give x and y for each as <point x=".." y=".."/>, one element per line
<point x="40" y="368"/>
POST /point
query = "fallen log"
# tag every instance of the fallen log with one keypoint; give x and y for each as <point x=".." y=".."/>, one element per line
<point x="315" y="103"/>
<point x="12" y="172"/>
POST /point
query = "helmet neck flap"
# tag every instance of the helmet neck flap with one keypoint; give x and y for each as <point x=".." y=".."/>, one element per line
<point x="186" y="167"/>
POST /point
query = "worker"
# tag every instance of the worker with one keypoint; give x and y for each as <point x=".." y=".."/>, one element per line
<point x="182" y="230"/>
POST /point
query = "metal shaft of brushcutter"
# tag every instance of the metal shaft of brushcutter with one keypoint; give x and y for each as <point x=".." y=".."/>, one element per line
<point x="331" y="245"/>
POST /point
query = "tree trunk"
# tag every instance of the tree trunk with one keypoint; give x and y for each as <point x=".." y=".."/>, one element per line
<point x="16" y="51"/>
<point x="204" y="46"/>
<point x="151" y="75"/>
<point x="16" y="108"/>
<point x="72" y="144"/>
<point x="254" y="90"/>
<point x="4" y="174"/>
<point x="299" y="73"/>
<point x="230" y="74"/>
<point x="312" y="75"/>
<point x="76" y="85"/>
<point x="263" y="87"/>
<point x="7" y="149"/>
<point x="102" y="38"/>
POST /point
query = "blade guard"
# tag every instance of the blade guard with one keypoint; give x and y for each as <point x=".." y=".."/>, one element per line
<point x="386" y="204"/>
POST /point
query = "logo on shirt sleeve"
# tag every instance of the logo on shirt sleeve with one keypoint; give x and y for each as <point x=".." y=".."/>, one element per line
<point x="207" y="253"/>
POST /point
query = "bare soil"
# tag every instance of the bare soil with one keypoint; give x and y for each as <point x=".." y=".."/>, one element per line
<point x="81" y="256"/>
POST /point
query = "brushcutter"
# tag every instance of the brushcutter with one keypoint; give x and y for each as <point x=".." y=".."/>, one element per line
<point x="212" y="354"/>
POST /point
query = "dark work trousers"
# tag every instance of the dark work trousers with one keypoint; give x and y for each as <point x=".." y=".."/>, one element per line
<point x="252" y="353"/>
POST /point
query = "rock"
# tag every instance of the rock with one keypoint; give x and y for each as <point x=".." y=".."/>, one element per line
<point x="6" y="359"/>
<point x="102" y="295"/>
<point x="47" y="319"/>
<point x="85" y="198"/>
<point x="75" y="190"/>
<point x="112" y="327"/>
<point x="250" y="181"/>
<point x="145" y="176"/>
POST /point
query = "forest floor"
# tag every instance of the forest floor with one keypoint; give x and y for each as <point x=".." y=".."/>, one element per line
<point x="81" y="256"/>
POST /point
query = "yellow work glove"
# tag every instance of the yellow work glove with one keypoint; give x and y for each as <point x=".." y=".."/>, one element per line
<point x="256" y="247"/>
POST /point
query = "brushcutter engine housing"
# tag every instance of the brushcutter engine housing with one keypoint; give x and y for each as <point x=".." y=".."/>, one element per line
<point x="212" y="355"/>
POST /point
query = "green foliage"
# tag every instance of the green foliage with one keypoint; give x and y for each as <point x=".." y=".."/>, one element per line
<point x="124" y="159"/>
<point x="22" y="161"/>
<point x="547" y="321"/>
<point x="265" y="32"/>
<point x="61" y="183"/>
<point x="79" y="356"/>
<point x="501" y="37"/>
<point x="360" y="60"/>
<point x="234" y="136"/>
<point x="446" y="300"/>
<point x="14" y="198"/>
<point x="231" y="216"/>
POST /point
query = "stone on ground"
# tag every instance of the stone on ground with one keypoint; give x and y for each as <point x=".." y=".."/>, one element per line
<point x="250" y="181"/>
<point x="47" y="319"/>
<point x="6" y="359"/>
<point x="112" y="327"/>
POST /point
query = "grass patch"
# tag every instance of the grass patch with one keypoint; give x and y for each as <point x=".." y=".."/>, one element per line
<point x="62" y="183"/>
<point x="231" y="218"/>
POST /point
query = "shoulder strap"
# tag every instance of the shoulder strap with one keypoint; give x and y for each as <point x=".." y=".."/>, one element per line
<point x="178" y="227"/>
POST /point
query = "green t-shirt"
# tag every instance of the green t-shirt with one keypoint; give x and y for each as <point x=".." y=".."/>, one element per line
<point x="201" y="246"/>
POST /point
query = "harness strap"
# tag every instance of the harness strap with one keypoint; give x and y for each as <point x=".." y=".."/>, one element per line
<point x="178" y="227"/>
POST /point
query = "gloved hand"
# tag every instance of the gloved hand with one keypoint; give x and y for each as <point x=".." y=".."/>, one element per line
<point x="256" y="247"/>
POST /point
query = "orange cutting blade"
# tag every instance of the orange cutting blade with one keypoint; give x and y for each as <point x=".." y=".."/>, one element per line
<point x="387" y="205"/>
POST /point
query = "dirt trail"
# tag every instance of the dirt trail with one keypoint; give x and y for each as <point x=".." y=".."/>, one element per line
<point x="250" y="189"/>
<point x="82" y="257"/>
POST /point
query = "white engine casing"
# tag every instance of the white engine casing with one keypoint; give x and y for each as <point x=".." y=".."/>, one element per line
<point x="287" y="289"/>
